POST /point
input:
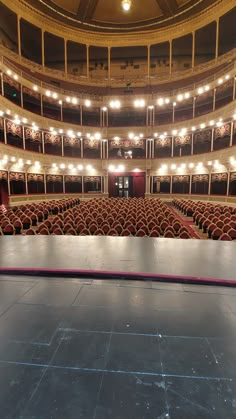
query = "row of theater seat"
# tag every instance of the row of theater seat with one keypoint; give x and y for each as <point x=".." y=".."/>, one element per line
<point x="16" y="220"/>
<point x="218" y="222"/>
<point x="116" y="217"/>
<point x="110" y="216"/>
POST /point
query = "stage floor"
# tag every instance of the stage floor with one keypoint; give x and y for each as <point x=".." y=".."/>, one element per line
<point x="118" y="349"/>
<point x="129" y="257"/>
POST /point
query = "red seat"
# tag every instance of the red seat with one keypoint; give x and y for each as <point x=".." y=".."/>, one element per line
<point x="216" y="233"/>
<point x="84" y="232"/>
<point x="184" y="235"/>
<point x="176" y="226"/>
<point x="226" y="228"/>
<point x="58" y="231"/>
<point x="43" y="231"/>
<point x="30" y="232"/>
<point x="112" y="232"/>
<point x="140" y="233"/>
<point x="169" y="234"/>
<point x="26" y="221"/>
<point x="225" y="237"/>
<point x="99" y="232"/>
<point x="154" y="233"/>
<point x="8" y="230"/>
<point x="232" y="233"/>
<point x="118" y="228"/>
<point x="125" y="232"/>
<point x="18" y="226"/>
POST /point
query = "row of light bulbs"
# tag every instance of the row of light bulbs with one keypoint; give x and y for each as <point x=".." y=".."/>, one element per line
<point x="215" y="164"/>
<point x="187" y="95"/>
<point x="19" y="162"/>
<point x="138" y="103"/>
<point x="131" y="135"/>
<point x="72" y="167"/>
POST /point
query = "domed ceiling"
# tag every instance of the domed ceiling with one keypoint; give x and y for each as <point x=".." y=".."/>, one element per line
<point x="109" y="14"/>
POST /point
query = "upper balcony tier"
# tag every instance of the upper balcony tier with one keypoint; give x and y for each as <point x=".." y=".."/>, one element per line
<point x="166" y="58"/>
<point x="154" y="112"/>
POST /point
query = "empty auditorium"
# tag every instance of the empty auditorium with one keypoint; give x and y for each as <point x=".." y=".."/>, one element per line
<point x="117" y="209"/>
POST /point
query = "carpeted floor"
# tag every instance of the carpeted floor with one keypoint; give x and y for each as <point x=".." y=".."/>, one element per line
<point x="188" y="223"/>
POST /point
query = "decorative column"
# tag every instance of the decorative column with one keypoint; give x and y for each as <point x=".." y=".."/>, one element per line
<point x="194" y="106"/>
<point x="62" y="146"/>
<point x="228" y="181"/>
<point x="231" y="133"/>
<point x="172" y="146"/>
<point x="148" y="61"/>
<point x="193" y="49"/>
<point x="23" y="137"/>
<point x="147" y="143"/>
<point x="101" y="118"/>
<point x="234" y="88"/>
<point x="65" y="57"/>
<point x="214" y="99"/>
<point x="209" y="185"/>
<point x="5" y="131"/>
<point x="217" y="38"/>
<point x="26" y="184"/>
<point x="212" y="139"/>
<point x="2" y="84"/>
<point x="106" y="183"/>
<point x="147" y="188"/>
<point x="43" y="49"/>
<point x="190" y="184"/>
<point x="81" y="115"/>
<point x="171" y="184"/>
<point x="63" y="183"/>
<point x="82" y="184"/>
<point x="45" y="183"/>
<point x="19" y="35"/>
<point x="101" y="147"/>
<point x="8" y="182"/>
<point x="43" y="146"/>
<point x="82" y="148"/>
<point x="170" y="56"/>
<point x="87" y="60"/>
<point x="192" y="145"/>
<point x="109" y="63"/>
<point x="147" y="116"/>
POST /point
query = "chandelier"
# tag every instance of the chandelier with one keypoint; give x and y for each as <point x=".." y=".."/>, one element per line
<point x="126" y="5"/>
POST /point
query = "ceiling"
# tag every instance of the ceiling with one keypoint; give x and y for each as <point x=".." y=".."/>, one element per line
<point x="109" y="15"/>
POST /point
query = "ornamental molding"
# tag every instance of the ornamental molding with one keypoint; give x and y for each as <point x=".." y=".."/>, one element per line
<point x="200" y="178"/>
<point x="161" y="179"/>
<point x="219" y="177"/>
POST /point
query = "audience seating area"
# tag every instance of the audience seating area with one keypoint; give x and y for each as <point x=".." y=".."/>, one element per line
<point x="109" y="216"/>
<point x="27" y="219"/>
<point x="217" y="222"/>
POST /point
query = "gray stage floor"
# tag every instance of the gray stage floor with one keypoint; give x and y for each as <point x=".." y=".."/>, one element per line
<point x="93" y="349"/>
<point x="132" y="255"/>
